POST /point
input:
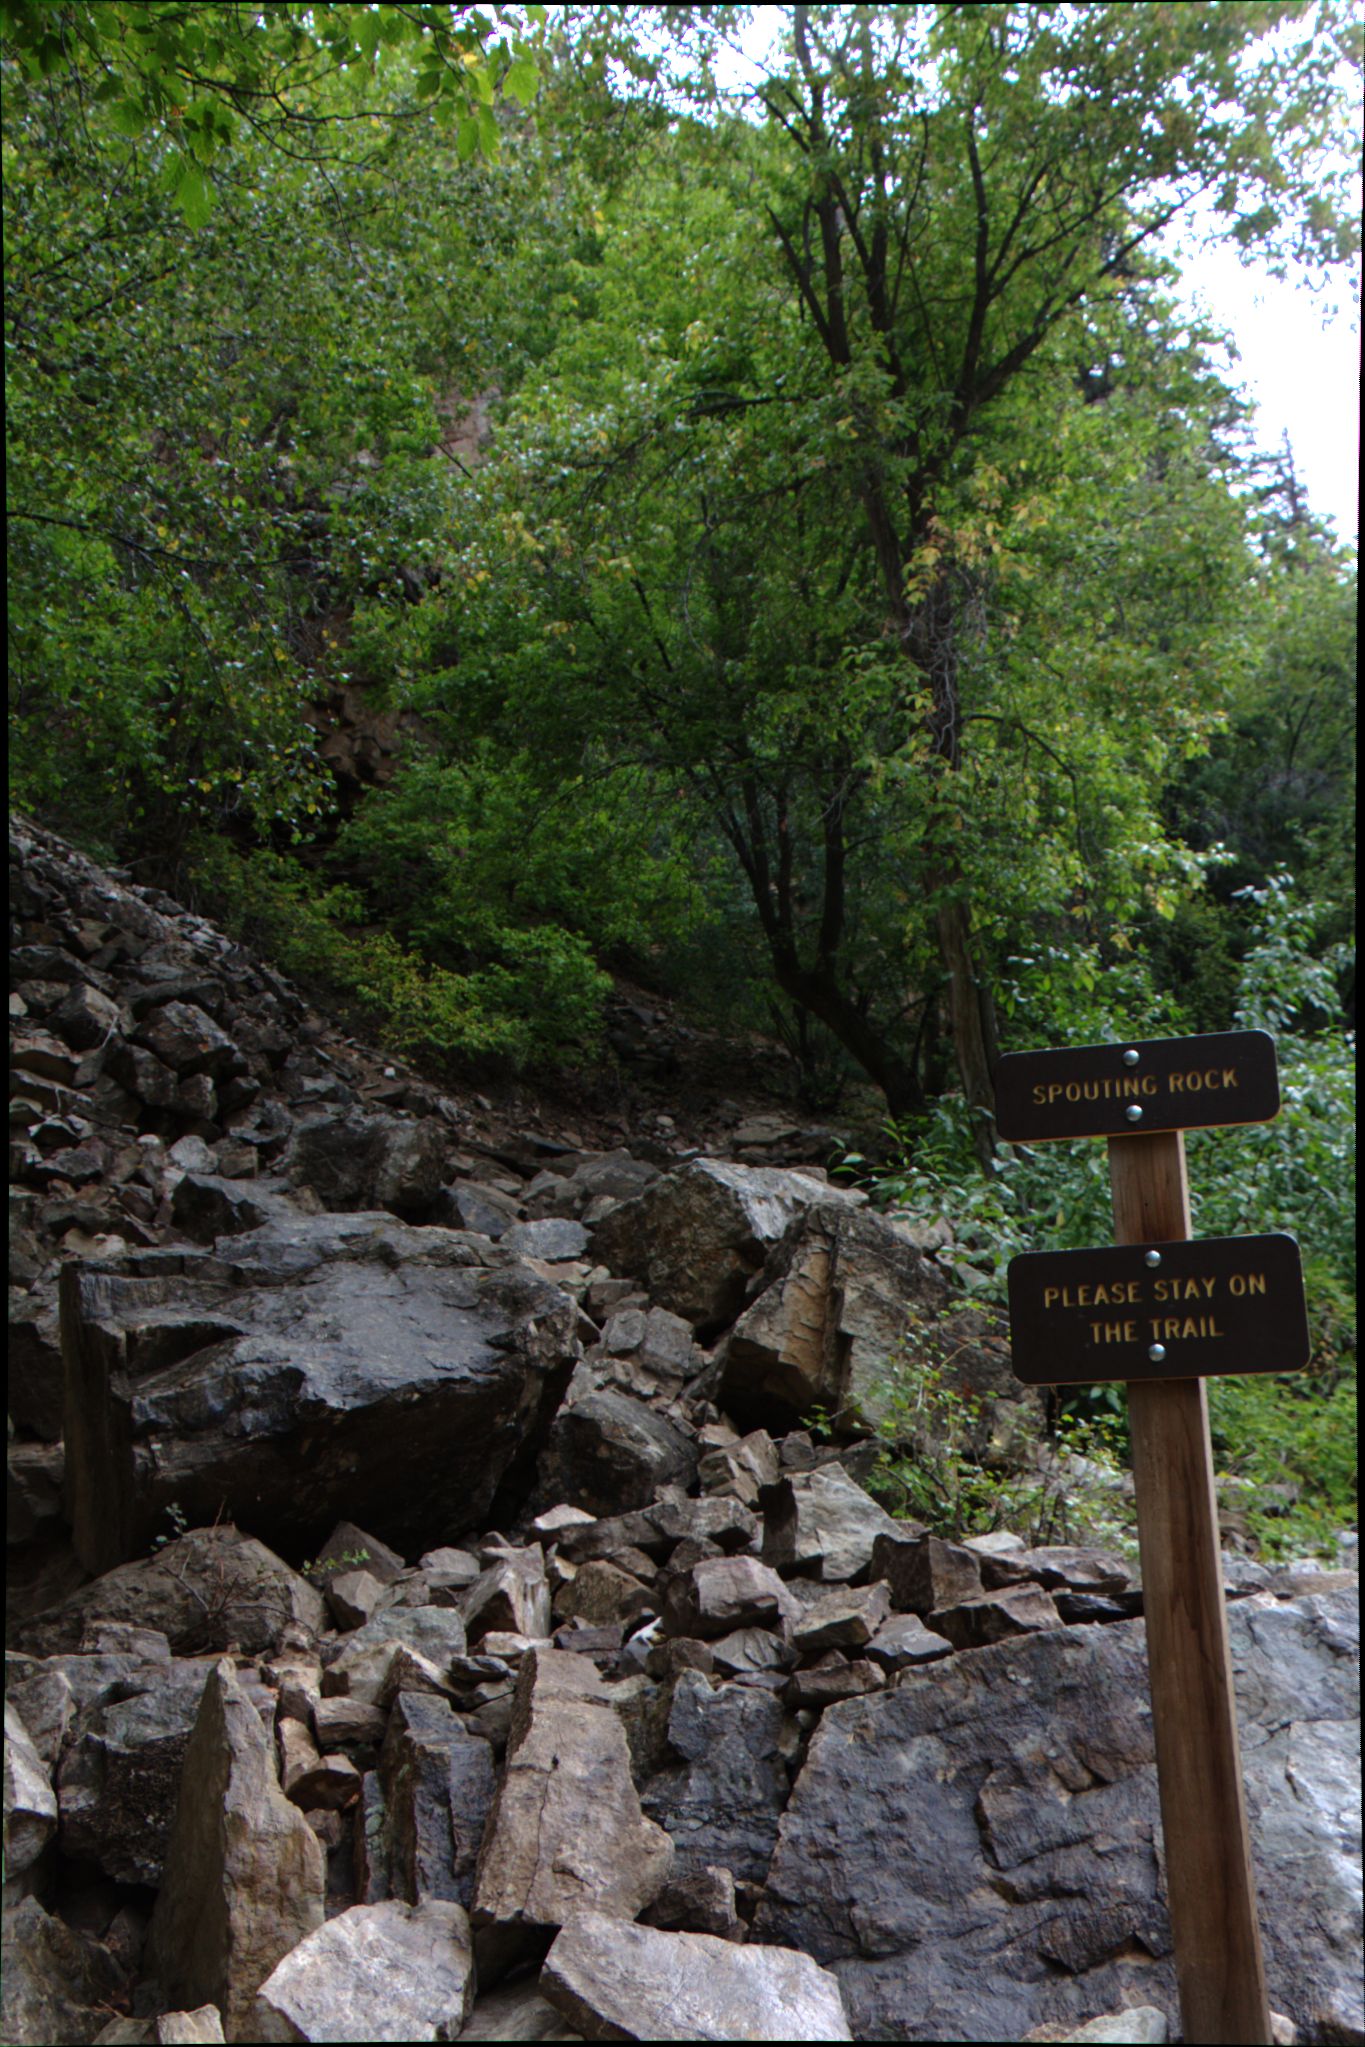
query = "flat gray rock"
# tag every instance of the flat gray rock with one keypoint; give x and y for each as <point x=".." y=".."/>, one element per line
<point x="616" y="1981"/>
<point x="390" y="1971"/>
<point x="976" y="1851"/>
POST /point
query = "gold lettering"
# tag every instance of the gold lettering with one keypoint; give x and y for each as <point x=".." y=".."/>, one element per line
<point x="1256" y="1283"/>
<point x="1211" y="1077"/>
<point x="1130" y="1085"/>
<point x="1049" y="1295"/>
<point x="1159" y="1291"/>
<point x="1176" y="1083"/>
<point x="1039" y="1095"/>
<point x="1229" y="1076"/>
<point x="1149" y="1083"/>
<point x="1054" y="1091"/>
<point x="1237" y="1284"/>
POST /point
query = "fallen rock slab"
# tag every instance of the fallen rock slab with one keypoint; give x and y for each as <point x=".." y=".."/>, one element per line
<point x="244" y="1871"/>
<point x="268" y="1375"/>
<point x="566" y="1830"/>
<point x="698" y="1236"/>
<point x="820" y="1523"/>
<point x="620" y="1982"/>
<point x="391" y="1971"/>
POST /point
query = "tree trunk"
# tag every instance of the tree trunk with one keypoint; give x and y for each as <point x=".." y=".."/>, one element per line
<point x="820" y="995"/>
<point x="973" y="1017"/>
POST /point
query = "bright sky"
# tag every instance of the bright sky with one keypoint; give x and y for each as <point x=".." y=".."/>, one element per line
<point x="1301" y="371"/>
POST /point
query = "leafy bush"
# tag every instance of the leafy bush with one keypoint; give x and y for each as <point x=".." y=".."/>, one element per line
<point x="536" y="994"/>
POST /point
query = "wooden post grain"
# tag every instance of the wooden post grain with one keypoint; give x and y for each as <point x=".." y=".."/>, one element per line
<point x="1210" y="1886"/>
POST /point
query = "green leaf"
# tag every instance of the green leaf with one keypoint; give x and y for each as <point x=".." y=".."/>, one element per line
<point x="194" y="195"/>
<point x="523" y="81"/>
<point x="488" y="133"/>
<point x="128" y="117"/>
<point x="467" y="139"/>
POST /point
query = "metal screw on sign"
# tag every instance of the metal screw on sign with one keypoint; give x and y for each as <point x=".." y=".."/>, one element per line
<point x="1230" y="1304"/>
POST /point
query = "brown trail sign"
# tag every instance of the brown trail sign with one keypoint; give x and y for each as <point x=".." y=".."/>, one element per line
<point x="1224" y="1305"/>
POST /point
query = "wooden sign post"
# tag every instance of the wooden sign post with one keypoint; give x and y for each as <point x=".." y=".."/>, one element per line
<point x="1099" y="1315"/>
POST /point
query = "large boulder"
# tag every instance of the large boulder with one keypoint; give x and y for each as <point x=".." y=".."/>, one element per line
<point x="608" y="1452"/>
<point x="437" y="1780"/>
<point x="209" y="1588"/>
<point x="58" y="1984"/>
<point x="847" y="1301"/>
<point x="976" y="1852"/>
<point x="267" y="1376"/>
<point x="30" y="1804"/>
<point x="722" y="1801"/>
<point x="620" y="1982"/>
<point x="359" y="1158"/>
<point x="566" y="1831"/>
<point x="390" y="1971"/>
<point x="698" y="1237"/>
<point x="244" y="1872"/>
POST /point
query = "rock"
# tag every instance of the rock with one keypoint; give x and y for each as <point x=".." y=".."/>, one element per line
<point x="698" y="1236"/>
<point x="822" y="1524"/>
<point x="515" y="2011"/>
<point x="209" y="1588"/>
<point x="741" y="1469"/>
<point x="600" y="1594"/>
<point x="844" y="1619"/>
<point x="30" y="1802"/>
<point x="976" y="1849"/>
<point x="512" y="1595"/>
<point x="903" y="1640"/>
<point x="468" y="1205"/>
<point x="356" y="1159"/>
<point x="723" y="1593"/>
<point x="1142" y="2025"/>
<point x="843" y="1293"/>
<point x="609" y="1451"/>
<point x="722" y="1802"/>
<point x="349" y="1548"/>
<point x="354" y="1597"/>
<point x="85" y="1017"/>
<point x="268" y="1377"/>
<point x="554" y="1237"/>
<point x="58" y="1985"/>
<point x="34" y="1383"/>
<point x="361" y="1669"/>
<point x="120" y="1770"/>
<point x="391" y="1971"/>
<point x="924" y="1572"/>
<point x="566" y="1831"/>
<point x="701" y="1903"/>
<point x="437" y="1781"/>
<point x="622" y="1982"/>
<point x="747" y="1650"/>
<point x="994" y="1615"/>
<point x="205" y="1206"/>
<point x="832" y="1679"/>
<point x="182" y="1037"/>
<point x="244" y="1872"/>
<point x="556" y="1521"/>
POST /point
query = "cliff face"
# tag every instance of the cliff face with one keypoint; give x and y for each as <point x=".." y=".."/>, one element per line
<point x="420" y="1573"/>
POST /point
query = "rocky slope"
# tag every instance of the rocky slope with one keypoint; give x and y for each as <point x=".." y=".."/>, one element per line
<point x="429" y="1617"/>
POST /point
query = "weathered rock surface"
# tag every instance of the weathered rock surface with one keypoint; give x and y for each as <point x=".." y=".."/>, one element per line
<point x="697" y="1237"/>
<point x="58" y="1984"/>
<point x="566" y="1831"/>
<point x="356" y="1159"/>
<point x="121" y="1767"/>
<point x="821" y="1524"/>
<point x="722" y="1802"/>
<point x="30" y="1804"/>
<point x="609" y="1451"/>
<point x="438" y="1783"/>
<point x="390" y="1971"/>
<point x="244" y="1874"/>
<point x="976" y="1851"/>
<point x="622" y="1982"/>
<point x="207" y="1589"/>
<point x="270" y="1376"/>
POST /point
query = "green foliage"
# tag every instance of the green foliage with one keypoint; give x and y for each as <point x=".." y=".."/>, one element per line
<point x="1296" y="1432"/>
<point x="534" y="995"/>
<point x="928" y="1468"/>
